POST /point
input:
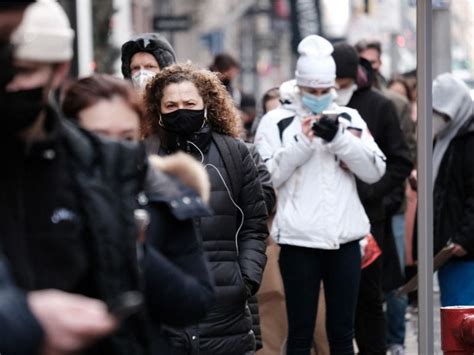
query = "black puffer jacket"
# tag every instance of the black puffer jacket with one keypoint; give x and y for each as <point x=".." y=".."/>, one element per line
<point x="270" y="201"/>
<point x="236" y="260"/>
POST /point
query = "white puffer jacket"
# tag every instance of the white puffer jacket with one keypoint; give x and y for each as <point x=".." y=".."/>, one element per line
<point x="318" y="205"/>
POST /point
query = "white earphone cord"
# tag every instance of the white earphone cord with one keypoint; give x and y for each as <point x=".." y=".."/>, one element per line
<point x="228" y="192"/>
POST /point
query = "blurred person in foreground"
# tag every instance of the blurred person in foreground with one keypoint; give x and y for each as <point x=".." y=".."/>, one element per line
<point x="380" y="200"/>
<point x="42" y="234"/>
<point x="20" y="330"/>
<point x="319" y="219"/>
<point x="189" y="110"/>
<point x="68" y="200"/>
<point x="110" y="107"/>
<point x="453" y="181"/>
<point x="145" y="55"/>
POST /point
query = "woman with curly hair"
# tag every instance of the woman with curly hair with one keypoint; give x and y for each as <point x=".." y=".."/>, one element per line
<point x="189" y="110"/>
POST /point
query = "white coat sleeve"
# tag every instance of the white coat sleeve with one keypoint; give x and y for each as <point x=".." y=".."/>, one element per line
<point x="282" y="161"/>
<point x="361" y="155"/>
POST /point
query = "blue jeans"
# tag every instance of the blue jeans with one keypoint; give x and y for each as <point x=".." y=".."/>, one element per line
<point x="456" y="283"/>
<point x="396" y="306"/>
<point x="302" y="270"/>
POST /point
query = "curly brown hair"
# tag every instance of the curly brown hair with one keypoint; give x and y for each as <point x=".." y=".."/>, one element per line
<point x="221" y="112"/>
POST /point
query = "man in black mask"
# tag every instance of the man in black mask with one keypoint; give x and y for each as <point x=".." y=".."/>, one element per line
<point x="51" y="320"/>
<point x="69" y="274"/>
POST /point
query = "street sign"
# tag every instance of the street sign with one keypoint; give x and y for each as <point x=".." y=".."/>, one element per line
<point x="172" y="23"/>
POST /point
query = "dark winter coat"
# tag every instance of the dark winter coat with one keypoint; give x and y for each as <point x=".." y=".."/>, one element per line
<point x="270" y="201"/>
<point x="453" y="200"/>
<point x="16" y="320"/>
<point x="98" y="182"/>
<point x="71" y="198"/>
<point x="236" y="260"/>
<point x="383" y="123"/>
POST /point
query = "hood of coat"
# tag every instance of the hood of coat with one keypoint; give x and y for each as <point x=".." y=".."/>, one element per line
<point x="451" y="97"/>
<point x="186" y="169"/>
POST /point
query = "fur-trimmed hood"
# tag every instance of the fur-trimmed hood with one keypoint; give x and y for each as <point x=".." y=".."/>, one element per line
<point x="186" y="169"/>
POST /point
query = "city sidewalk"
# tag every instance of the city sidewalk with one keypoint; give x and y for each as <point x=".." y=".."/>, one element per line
<point x="411" y="339"/>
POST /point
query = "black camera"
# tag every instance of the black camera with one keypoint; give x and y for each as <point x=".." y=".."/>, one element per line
<point x="330" y="116"/>
<point x="327" y="125"/>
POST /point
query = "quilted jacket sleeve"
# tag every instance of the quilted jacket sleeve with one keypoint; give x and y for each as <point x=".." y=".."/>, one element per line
<point x="253" y="234"/>
<point x="265" y="179"/>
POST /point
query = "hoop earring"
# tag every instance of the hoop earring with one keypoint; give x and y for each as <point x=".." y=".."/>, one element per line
<point x="160" y="121"/>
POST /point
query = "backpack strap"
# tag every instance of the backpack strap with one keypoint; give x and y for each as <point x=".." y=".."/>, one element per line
<point x="230" y="153"/>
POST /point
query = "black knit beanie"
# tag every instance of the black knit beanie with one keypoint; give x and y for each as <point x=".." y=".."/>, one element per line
<point x="346" y="59"/>
<point x="153" y="43"/>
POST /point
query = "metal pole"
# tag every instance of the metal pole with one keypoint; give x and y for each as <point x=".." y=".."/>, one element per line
<point x="84" y="37"/>
<point x="425" y="185"/>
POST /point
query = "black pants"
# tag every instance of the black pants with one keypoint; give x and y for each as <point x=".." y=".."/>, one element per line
<point x="302" y="270"/>
<point x="370" y="317"/>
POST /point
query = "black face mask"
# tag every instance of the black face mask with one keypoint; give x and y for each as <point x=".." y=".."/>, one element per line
<point x="20" y="109"/>
<point x="183" y="121"/>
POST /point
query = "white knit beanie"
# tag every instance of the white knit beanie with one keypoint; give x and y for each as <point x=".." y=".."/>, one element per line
<point x="45" y="34"/>
<point x="315" y="67"/>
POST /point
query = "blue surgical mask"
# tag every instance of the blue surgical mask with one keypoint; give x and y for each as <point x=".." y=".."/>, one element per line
<point x="317" y="104"/>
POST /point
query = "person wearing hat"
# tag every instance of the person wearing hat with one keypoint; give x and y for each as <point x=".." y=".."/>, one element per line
<point x="20" y="330"/>
<point x="68" y="235"/>
<point x="381" y="201"/>
<point x="50" y="319"/>
<point x="144" y="55"/>
<point x="314" y="157"/>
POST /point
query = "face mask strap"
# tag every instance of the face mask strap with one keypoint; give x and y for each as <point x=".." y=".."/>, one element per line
<point x="204" y="121"/>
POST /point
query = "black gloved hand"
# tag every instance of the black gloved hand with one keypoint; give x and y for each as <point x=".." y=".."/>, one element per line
<point x="326" y="128"/>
